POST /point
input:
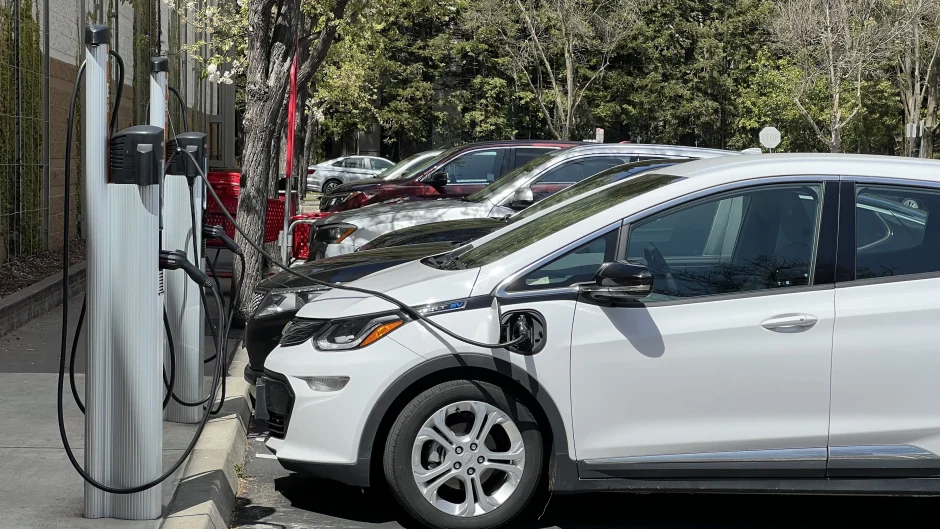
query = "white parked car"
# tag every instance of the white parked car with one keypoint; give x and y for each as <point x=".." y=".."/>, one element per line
<point x="346" y="231"/>
<point x="738" y="324"/>
<point x="327" y="175"/>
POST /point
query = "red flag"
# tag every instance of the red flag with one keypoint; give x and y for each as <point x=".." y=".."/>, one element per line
<point x="292" y="114"/>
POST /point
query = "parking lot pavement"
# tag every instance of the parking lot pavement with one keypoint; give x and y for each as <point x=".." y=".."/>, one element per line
<point x="272" y="498"/>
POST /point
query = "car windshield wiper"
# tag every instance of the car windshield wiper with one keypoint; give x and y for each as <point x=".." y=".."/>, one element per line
<point x="453" y="263"/>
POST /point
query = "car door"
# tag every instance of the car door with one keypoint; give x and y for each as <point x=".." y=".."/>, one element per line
<point x="886" y="362"/>
<point x="724" y="369"/>
<point x="355" y="168"/>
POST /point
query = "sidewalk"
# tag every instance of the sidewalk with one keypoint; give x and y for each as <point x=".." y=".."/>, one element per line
<point x="38" y="486"/>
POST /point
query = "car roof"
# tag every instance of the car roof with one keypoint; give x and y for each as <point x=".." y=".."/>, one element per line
<point x="733" y="168"/>
<point x="650" y="148"/>
<point x="520" y="143"/>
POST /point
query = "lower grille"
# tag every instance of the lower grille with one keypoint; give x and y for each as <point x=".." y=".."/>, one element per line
<point x="279" y="401"/>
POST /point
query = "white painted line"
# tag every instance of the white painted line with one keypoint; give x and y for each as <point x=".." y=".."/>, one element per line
<point x="266" y="456"/>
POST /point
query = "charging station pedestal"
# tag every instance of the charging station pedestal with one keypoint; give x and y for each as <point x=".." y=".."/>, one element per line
<point x="183" y="194"/>
<point x="123" y="384"/>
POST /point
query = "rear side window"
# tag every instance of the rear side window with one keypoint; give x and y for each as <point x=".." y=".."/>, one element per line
<point x="354" y="163"/>
<point x="896" y="234"/>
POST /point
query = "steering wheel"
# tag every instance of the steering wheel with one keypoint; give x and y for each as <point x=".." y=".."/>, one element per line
<point x="658" y="267"/>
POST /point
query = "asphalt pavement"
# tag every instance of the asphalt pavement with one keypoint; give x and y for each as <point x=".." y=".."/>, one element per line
<point x="272" y="498"/>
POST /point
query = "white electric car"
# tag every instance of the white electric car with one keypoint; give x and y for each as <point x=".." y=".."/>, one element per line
<point x="739" y="324"/>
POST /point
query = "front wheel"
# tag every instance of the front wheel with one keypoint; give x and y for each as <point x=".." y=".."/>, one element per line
<point x="464" y="455"/>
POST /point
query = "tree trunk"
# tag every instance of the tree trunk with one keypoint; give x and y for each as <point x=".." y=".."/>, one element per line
<point x="930" y="122"/>
<point x="267" y="79"/>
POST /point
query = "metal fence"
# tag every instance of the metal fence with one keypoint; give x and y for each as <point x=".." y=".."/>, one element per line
<point x="24" y="158"/>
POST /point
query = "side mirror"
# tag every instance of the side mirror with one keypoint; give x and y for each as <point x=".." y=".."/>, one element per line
<point x="621" y="280"/>
<point x="438" y="179"/>
<point x="522" y="198"/>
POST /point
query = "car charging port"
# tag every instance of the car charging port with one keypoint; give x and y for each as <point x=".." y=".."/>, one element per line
<point x="528" y="325"/>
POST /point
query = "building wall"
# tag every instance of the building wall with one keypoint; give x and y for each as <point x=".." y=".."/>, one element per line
<point x="63" y="49"/>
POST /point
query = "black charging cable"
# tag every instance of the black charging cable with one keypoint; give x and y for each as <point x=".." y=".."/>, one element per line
<point x="407" y="309"/>
<point x="182" y="107"/>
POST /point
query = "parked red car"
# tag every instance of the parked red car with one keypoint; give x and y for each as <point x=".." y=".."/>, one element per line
<point x="455" y="173"/>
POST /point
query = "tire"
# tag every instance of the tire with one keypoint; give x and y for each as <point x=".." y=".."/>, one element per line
<point x="507" y="485"/>
<point x="329" y="186"/>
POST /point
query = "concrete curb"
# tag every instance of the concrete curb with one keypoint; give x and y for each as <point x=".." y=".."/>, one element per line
<point x="19" y="308"/>
<point x="206" y="494"/>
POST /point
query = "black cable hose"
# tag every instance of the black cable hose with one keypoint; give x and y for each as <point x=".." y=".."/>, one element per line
<point x="169" y="341"/>
<point x="64" y="343"/>
<point x="182" y="107"/>
<point x="120" y="90"/>
<point x="407" y="309"/>
<point x="78" y="332"/>
<point x="168" y="384"/>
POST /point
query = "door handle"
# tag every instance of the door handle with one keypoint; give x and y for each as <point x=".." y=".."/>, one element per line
<point x="790" y="322"/>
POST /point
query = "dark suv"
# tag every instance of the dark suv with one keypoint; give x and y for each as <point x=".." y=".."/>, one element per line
<point x="455" y="173"/>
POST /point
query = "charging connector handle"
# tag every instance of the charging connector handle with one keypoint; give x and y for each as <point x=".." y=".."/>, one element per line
<point x="216" y="232"/>
<point x="176" y="260"/>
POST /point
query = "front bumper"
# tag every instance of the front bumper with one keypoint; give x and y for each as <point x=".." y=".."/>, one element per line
<point x="319" y="432"/>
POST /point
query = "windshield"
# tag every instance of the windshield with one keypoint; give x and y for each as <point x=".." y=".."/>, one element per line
<point x="513" y="240"/>
<point x="409" y="165"/>
<point x="614" y="174"/>
<point x="513" y="178"/>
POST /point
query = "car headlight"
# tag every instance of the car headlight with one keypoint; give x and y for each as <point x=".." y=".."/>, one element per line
<point x="333" y="233"/>
<point x="283" y="300"/>
<point x="357" y="332"/>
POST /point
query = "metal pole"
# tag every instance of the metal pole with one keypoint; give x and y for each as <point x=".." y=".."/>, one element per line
<point x="285" y="242"/>
<point x="123" y="390"/>
<point x="183" y="302"/>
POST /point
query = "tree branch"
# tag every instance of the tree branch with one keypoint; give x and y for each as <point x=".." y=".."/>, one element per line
<point x="540" y="50"/>
<point x="812" y="122"/>
<point x="322" y="46"/>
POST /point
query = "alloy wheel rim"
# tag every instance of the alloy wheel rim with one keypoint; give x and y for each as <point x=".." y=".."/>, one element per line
<point x="468" y="458"/>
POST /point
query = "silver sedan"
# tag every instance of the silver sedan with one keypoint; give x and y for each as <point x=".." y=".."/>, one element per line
<point x="331" y="173"/>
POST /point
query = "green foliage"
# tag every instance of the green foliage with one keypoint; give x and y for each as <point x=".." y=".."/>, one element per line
<point x="21" y="119"/>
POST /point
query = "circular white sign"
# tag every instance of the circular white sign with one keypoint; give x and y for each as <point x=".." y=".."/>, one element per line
<point x="770" y="137"/>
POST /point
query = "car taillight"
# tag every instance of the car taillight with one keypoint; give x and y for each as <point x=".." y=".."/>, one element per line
<point x="311" y="171"/>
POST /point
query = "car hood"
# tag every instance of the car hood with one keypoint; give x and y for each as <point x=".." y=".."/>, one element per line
<point x="368" y="184"/>
<point x="350" y="267"/>
<point x="413" y="283"/>
<point x="484" y="223"/>
<point x="425" y="210"/>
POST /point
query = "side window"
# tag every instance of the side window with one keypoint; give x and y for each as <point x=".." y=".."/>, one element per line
<point x="378" y="163"/>
<point x="576" y="266"/>
<point x="526" y="154"/>
<point x="479" y="167"/>
<point x="754" y="239"/>
<point x="567" y="173"/>
<point x="338" y="163"/>
<point x="355" y="162"/>
<point x="895" y="231"/>
<point x="592" y="166"/>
